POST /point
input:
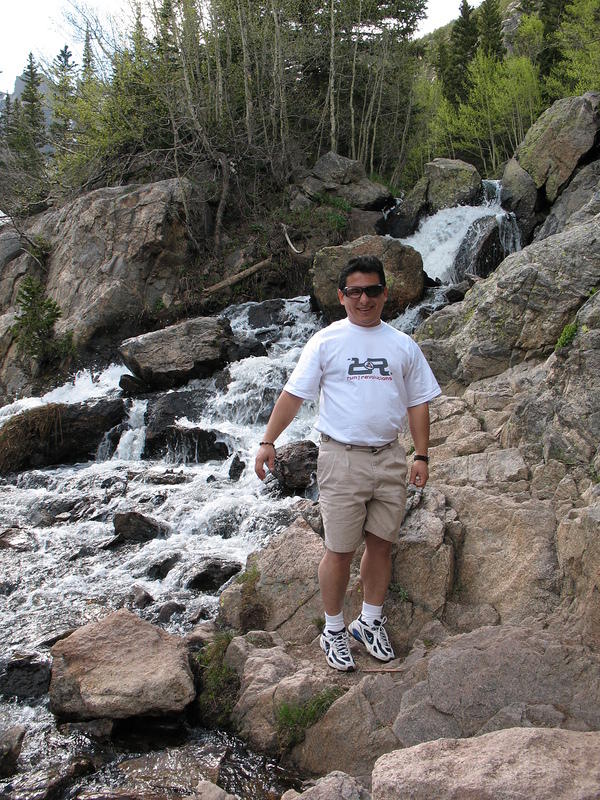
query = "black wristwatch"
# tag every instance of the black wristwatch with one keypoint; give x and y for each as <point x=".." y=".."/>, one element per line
<point x="419" y="457"/>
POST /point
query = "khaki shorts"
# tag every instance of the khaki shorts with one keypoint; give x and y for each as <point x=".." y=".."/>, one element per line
<point x="361" y="490"/>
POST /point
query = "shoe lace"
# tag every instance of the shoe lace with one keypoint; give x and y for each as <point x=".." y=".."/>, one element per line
<point x="381" y="631"/>
<point x="340" y="642"/>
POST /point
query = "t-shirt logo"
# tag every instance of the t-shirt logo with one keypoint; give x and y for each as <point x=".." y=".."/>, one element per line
<point x="369" y="366"/>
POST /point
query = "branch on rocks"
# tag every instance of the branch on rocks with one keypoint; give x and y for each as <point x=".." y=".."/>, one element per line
<point x="235" y="278"/>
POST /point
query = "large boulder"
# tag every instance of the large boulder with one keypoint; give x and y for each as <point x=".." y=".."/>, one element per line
<point x="520" y="195"/>
<point x="336" y="176"/>
<point x="558" y="140"/>
<point x="56" y="433"/>
<point x="195" y="348"/>
<point x="509" y="764"/>
<point x="517" y="313"/>
<point x="11" y="741"/>
<point x="446" y="183"/>
<point x="582" y="188"/>
<point x="120" y="667"/>
<point x="402" y="264"/>
<point x="296" y="465"/>
<point x="480" y="251"/>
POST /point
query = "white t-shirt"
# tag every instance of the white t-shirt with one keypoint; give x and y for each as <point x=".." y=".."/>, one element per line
<point x="365" y="379"/>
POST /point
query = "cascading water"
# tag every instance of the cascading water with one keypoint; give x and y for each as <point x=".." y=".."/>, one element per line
<point x="55" y="575"/>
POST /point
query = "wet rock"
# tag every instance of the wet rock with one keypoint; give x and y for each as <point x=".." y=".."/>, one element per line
<point x="168" y="610"/>
<point x="266" y="314"/>
<point x="50" y="783"/>
<point x="236" y="468"/>
<point x="402" y="264"/>
<point x="244" y="347"/>
<point x="56" y="434"/>
<point x="25" y="676"/>
<point x="158" y="570"/>
<point x="119" y="667"/>
<point x="164" y="410"/>
<point x="446" y="183"/>
<point x="501" y="764"/>
<point x="187" y="443"/>
<point x="133" y="386"/>
<point x="174" y="355"/>
<point x="205" y="790"/>
<point x="334" y="786"/>
<point x="131" y="527"/>
<point x="140" y="598"/>
<point x="173" y="770"/>
<point x="97" y="729"/>
<point x="211" y="574"/>
<point x="10" y="748"/>
<point x="480" y="251"/>
<point x="16" y="539"/>
<point x="296" y="465"/>
<point x="337" y="176"/>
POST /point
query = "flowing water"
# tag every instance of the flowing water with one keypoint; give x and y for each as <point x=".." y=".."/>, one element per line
<point x="55" y="577"/>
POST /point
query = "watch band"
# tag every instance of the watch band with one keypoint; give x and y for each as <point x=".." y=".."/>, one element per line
<point x="419" y="457"/>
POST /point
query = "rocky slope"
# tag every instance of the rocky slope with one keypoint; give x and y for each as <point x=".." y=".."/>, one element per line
<point x="494" y="603"/>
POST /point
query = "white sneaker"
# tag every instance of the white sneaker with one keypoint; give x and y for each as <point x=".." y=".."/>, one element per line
<point x="337" y="650"/>
<point x="374" y="637"/>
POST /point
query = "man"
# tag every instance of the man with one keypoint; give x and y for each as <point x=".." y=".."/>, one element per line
<point x="369" y="376"/>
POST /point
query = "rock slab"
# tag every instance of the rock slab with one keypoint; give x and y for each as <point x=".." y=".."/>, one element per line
<point x="119" y="667"/>
<point x="505" y="765"/>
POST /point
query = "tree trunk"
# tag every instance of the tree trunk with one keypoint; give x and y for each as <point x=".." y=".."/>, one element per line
<point x="332" y="94"/>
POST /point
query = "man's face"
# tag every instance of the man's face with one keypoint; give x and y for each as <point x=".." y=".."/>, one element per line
<point x="363" y="310"/>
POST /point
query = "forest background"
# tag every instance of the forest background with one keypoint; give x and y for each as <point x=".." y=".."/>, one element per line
<point x="259" y="90"/>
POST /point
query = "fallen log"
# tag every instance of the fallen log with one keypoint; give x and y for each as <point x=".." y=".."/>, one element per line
<point x="235" y="278"/>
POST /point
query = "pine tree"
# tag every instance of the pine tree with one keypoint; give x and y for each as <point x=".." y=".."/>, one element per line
<point x="490" y="30"/>
<point x="87" y="60"/>
<point x="463" y="46"/>
<point x="551" y="12"/>
<point x="63" y="100"/>
<point x="32" y="102"/>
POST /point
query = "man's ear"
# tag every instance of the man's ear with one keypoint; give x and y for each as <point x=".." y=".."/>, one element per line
<point x="340" y="296"/>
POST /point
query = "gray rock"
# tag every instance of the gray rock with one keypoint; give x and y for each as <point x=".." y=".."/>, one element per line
<point x="480" y="251"/>
<point x="558" y="140"/>
<point x="174" y="355"/>
<point x="131" y="527"/>
<point x="296" y="465"/>
<point x="506" y="765"/>
<point x="520" y="195"/>
<point x="402" y="264"/>
<point x="518" y="312"/>
<point x="338" y="176"/>
<point x="56" y="434"/>
<point x="11" y="741"/>
<point x="119" y="667"/>
<point x="582" y="188"/>
<point x="334" y="786"/>
<point x="211" y="573"/>
<point x="25" y="676"/>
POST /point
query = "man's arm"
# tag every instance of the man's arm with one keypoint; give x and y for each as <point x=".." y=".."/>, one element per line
<point x="283" y="413"/>
<point x="418" y="422"/>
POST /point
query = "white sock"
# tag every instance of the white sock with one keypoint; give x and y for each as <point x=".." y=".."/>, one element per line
<point x="335" y="622"/>
<point x="371" y="613"/>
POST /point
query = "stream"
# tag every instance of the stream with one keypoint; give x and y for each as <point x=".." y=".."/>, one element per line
<point x="55" y="577"/>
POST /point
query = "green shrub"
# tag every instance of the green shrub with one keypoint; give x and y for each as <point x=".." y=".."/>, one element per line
<point x="399" y="592"/>
<point x="293" y="720"/>
<point x="39" y="248"/>
<point x="567" y="335"/>
<point x="34" y="325"/>
<point x="220" y="683"/>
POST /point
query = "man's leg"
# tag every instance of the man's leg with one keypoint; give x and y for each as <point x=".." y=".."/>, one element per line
<point x="376" y="569"/>
<point x="375" y="573"/>
<point x="334" y="574"/>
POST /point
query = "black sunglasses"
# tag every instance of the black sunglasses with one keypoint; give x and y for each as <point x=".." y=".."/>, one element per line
<point x="371" y="291"/>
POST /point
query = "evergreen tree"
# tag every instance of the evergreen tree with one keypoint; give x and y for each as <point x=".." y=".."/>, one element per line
<point x="551" y="12"/>
<point x="62" y="76"/>
<point x="32" y="102"/>
<point x="87" y="59"/>
<point x="463" y="46"/>
<point x="577" y="38"/>
<point x="490" y="30"/>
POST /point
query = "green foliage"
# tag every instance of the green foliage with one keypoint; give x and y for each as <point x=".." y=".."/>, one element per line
<point x="529" y="38"/>
<point x="219" y="683"/>
<point x="490" y="30"/>
<point x="578" y="40"/>
<point x="34" y="325"/>
<point x="334" y="202"/>
<point x="567" y="335"/>
<point x="399" y="592"/>
<point x="39" y="248"/>
<point x="462" y="49"/>
<point x="293" y="720"/>
<point x="249" y="577"/>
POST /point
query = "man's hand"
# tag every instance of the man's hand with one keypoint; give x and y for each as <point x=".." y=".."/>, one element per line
<point x="265" y="455"/>
<point x="419" y="473"/>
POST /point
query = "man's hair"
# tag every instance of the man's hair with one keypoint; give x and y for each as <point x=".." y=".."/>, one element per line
<point x="361" y="264"/>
